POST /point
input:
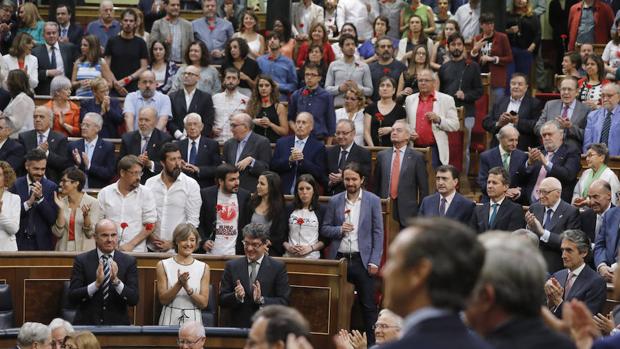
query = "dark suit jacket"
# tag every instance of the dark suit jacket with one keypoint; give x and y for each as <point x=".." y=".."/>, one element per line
<point x="554" y="108"/>
<point x="610" y="342"/>
<point x="13" y="152"/>
<point x="357" y="154"/>
<point x="587" y="218"/>
<point x="606" y="242"/>
<point x="208" y="212"/>
<point x="68" y="53"/>
<point x="444" y="332"/>
<point x="111" y="120"/>
<point x="103" y="164"/>
<point x="207" y="160"/>
<point x="566" y="165"/>
<point x="509" y="217"/>
<point x="531" y="333"/>
<point x="257" y="147"/>
<point x="91" y="311"/>
<point x="274" y="286"/>
<point x="75" y="34"/>
<point x="57" y="159"/>
<point x="460" y="208"/>
<point x="412" y="182"/>
<point x="529" y="112"/>
<point x="201" y="104"/>
<point x="565" y="217"/>
<point x="35" y="224"/>
<point x="313" y="162"/>
<point x="588" y="287"/>
<point x="492" y="158"/>
<point x="130" y="144"/>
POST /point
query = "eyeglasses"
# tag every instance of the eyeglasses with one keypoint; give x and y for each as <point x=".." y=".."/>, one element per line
<point x="134" y="173"/>
<point x="234" y="125"/>
<point x="247" y="244"/>
<point x="190" y="73"/>
<point x="543" y="192"/>
<point x="383" y="326"/>
<point x="182" y="342"/>
<point x="342" y="133"/>
<point x="85" y="125"/>
<point x="607" y="95"/>
<point x="351" y="98"/>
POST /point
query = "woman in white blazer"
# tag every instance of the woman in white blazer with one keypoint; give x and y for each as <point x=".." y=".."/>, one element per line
<point x="20" y="57"/>
<point x="10" y="209"/>
<point x="21" y="107"/>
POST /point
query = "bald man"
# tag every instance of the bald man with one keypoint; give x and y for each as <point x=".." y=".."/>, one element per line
<point x="146" y="96"/>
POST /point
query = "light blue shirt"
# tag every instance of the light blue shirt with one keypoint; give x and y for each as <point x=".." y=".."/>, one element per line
<point x="214" y="39"/>
<point x="134" y="102"/>
<point x="282" y="70"/>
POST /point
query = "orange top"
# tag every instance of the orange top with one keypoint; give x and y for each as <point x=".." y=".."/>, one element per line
<point x="72" y="117"/>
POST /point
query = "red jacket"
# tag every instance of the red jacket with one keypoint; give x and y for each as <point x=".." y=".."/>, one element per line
<point x="500" y="48"/>
<point x="603" y="20"/>
<point x="302" y="55"/>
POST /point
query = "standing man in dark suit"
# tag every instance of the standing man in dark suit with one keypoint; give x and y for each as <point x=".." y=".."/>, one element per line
<point x="599" y="202"/>
<point x="254" y="280"/>
<point x="145" y="143"/>
<point x="354" y="223"/>
<point x="53" y="143"/>
<point x="606" y="245"/>
<point x="500" y="213"/>
<point x="430" y="272"/>
<point x="578" y="280"/>
<point x="549" y="218"/>
<point x="38" y="208"/>
<point x="299" y="154"/>
<point x="401" y="174"/>
<point x="199" y="102"/>
<point x="54" y="58"/>
<point x="93" y="155"/>
<point x="519" y="109"/>
<point x="69" y="31"/>
<point x="11" y="150"/>
<point x="248" y="151"/>
<point x="201" y="155"/>
<point x="224" y="213"/>
<point x="104" y="281"/>
<point x="447" y="202"/>
<point x="505" y="155"/>
<point x="344" y="152"/>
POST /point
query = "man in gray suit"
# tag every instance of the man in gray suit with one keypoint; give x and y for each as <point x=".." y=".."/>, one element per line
<point x="354" y="224"/>
<point x="570" y="114"/>
<point x="248" y="151"/>
<point x="174" y="30"/>
<point x="401" y="174"/>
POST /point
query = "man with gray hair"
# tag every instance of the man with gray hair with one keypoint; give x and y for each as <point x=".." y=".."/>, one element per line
<point x="192" y="335"/>
<point x="11" y="150"/>
<point x="105" y="27"/>
<point x="577" y="280"/>
<point x="602" y="124"/>
<point x="34" y="335"/>
<point x="345" y="152"/>
<point x="201" y="155"/>
<point x="274" y="323"/>
<point x="506" y="301"/>
<point x="55" y="58"/>
<point x="599" y="202"/>
<point x="60" y="329"/>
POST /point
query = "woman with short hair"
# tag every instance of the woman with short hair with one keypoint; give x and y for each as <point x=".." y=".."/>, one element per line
<point x="66" y="112"/>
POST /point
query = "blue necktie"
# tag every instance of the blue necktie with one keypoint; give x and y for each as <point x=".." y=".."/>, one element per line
<point x="548" y="219"/>
<point x="442" y="207"/>
<point x="53" y="64"/>
<point x="606" y="128"/>
<point x="493" y="214"/>
<point x="192" y="154"/>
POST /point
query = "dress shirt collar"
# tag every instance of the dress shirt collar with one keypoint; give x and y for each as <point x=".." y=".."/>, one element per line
<point x="554" y="207"/>
<point x="502" y="151"/>
<point x="93" y="142"/>
<point x="56" y="46"/>
<point x="497" y="202"/>
<point x="305" y="140"/>
<point x="258" y="261"/>
<point x="60" y="28"/>
<point x="578" y="270"/>
<point x="572" y="104"/>
<point x="197" y="140"/>
<point x="606" y="209"/>
<point x="100" y="253"/>
<point x="189" y="95"/>
<point x="401" y="149"/>
<point x="359" y="198"/>
<point x="347" y="149"/>
<point x="448" y="198"/>
<point x="2" y="143"/>
<point x="45" y="133"/>
<point x="145" y="135"/>
<point x="247" y="136"/>
<point x="512" y="100"/>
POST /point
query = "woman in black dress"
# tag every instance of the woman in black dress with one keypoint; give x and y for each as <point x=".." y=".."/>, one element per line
<point x="268" y="113"/>
<point x="381" y="115"/>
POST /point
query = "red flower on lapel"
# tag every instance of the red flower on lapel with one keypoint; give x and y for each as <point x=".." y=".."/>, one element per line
<point x="379" y="116"/>
<point x="300" y="221"/>
<point x="305" y="92"/>
<point x="386" y="71"/>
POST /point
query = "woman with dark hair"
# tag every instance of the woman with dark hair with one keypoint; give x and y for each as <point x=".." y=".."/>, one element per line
<point x="597" y="158"/>
<point x="11" y="209"/>
<point x="78" y="213"/>
<point x="523" y="29"/>
<point x="347" y="28"/>
<point x="353" y="110"/>
<point x="441" y="46"/>
<point x="236" y="52"/>
<point x="161" y="65"/>
<point x="248" y="30"/>
<point x="197" y="55"/>
<point x="591" y="86"/>
<point x="318" y="36"/>
<point x="20" y="57"/>
<point x="21" y="106"/>
<point x="283" y="27"/>
<point x="380" y="116"/>
<point x="88" y="66"/>
<point x="315" y="57"/>
<point x="423" y="12"/>
<point x="380" y="26"/>
<point x="571" y="63"/>
<point x="415" y="37"/>
<point x="267" y="205"/>
<point x="305" y="218"/>
<point x="611" y="54"/>
<point x="408" y="80"/>
<point x="268" y="113"/>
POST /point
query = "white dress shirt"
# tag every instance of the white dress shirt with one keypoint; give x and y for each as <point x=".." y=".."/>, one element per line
<point x="59" y="62"/>
<point x="226" y="106"/>
<point x="356" y="12"/>
<point x="545" y="236"/>
<point x="349" y="244"/>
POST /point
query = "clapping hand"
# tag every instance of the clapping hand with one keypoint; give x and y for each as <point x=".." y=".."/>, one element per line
<point x="256" y="292"/>
<point x="183" y="278"/>
<point x="554" y="292"/>
<point x="239" y="291"/>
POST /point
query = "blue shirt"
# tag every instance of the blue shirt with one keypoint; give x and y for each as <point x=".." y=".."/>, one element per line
<point x="214" y="39"/>
<point x="320" y="104"/>
<point x="134" y="102"/>
<point x="282" y="70"/>
<point x="97" y="29"/>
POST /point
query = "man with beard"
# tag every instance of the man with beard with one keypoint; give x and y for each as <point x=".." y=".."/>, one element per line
<point x="602" y="124"/>
<point x="126" y="55"/>
<point x="346" y="72"/>
<point x="174" y="30"/>
<point x="226" y="104"/>
<point x="213" y="31"/>
<point x="177" y="197"/>
<point x="147" y="96"/>
<point x="385" y="65"/>
<point x="129" y="204"/>
<point x="279" y="67"/>
<point x="105" y="27"/>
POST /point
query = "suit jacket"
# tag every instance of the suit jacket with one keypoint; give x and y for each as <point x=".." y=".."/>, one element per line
<point x="274" y="287"/>
<point x="370" y="227"/>
<point x="13" y="152"/>
<point x="208" y="211"/>
<point x="357" y="154"/>
<point x="130" y="144"/>
<point x="509" y="217"/>
<point x="594" y="126"/>
<point x="444" y="107"/>
<point x="412" y="183"/>
<point x="57" y="159"/>
<point x="443" y="332"/>
<point x="207" y="160"/>
<point x="35" y="231"/>
<point x="313" y="162"/>
<point x="566" y="165"/>
<point x="103" y="164"/>
<point x="587" y="218"/>
<point x="161" y="31"/>
<point x="554" y="108"/>
<point x="565" y="217"/>
<point x="606" y="242"/>
<point x="460" y="209"/>
<point x="75" y="33"/>
<point x="93" y="310"/>
<point x="201" y="104"/>
<point x="257" y="147"/>
<point x="528" y="113"/>
<point x="609" y="342"/>
<point x="531" y="333"/>
<point x="68" y="53"/>
<point x="493" y="158"/>
<point x="588" y="287"/>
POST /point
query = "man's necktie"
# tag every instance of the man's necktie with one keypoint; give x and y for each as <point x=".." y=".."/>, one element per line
<point x="253" y="271"/>
<point x="570" y="280"/>
<point x="146" y="143"/>
<point x="240" y="147"/>
<point x="106" y="276"/>
<point x="343" y="158"/>
<point x="41" y="139"/>
<point x="494" y="208"/>
<point x="606" y="128"/>
<point x="442" y="207"/>
<point x="394" y="174"/>
<point x="506" y="162"/>
<point x="63" y="33"/>
<point x="542" y="174"/>
<point x="547" y="223"/>
<point x="53" y="57"/>
<point x="565" y="112"/>
<point x="192" y="154"/>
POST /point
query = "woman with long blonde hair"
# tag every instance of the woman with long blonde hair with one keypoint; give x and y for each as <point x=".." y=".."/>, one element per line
<point x="30" y="22"/>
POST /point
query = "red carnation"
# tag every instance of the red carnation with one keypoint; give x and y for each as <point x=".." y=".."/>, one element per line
<point x="124" y="225"/>
<point x="301" y="25"/>
<point x="306" y="92"/>
<point x="218" y="207"/>
<point x="563" y="36"/>
<point x="300" y="221"/>
<point x="379" y="116"/>
<point x="386" y="71"/>
<point x="211" y="27"/>
<point x="588" y="86"/>
<point x="618" y="54"/>
<point x="265" y="99"/>
<point x="347" y="211"/>
<point x="149" y="226"/>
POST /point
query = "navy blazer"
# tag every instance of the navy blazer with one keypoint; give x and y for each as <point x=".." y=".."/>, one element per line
<point x="202" y="104"/>
<point x="103" y="164"/>
<point x="130" y="144"/>
<point x="257" y="147"/>
<point x="91" y="311"/>
<point x="207" y="160"/>
<point x="492" y="158"/>
<point x="56" y="159"/>
<point x="566" y="166"/>
<point x="35" y="225"/>
<point x="588" y="287"/>
<point x="75" y="33"/>
<point x="460" y="209"/>
<point x="13" y="152"/>
<point x="606" y="242"/>
<point x="527" y="332"/>
<point x="357" y="154"/>
<point x="509" y="217"/>
<point x="313" y="162"/>
<point x="68" y="53"/>
<point x="528" y="113"/>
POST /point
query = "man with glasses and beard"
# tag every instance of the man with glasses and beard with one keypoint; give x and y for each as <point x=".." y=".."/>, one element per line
<point x="147" y="96"/>
<point x="385" y="65"/>
<point x="177" y="197"/>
